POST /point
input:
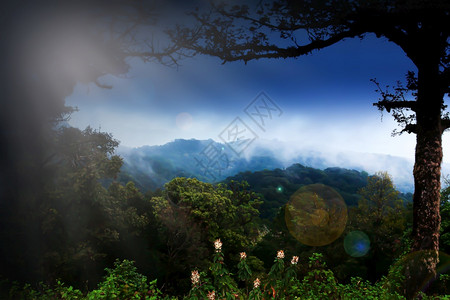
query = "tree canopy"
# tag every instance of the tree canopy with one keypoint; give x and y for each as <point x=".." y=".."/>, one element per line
<point x="288" y="29"/>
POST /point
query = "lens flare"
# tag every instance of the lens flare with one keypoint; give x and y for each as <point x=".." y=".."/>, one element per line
<point x="184" y="121"/>
<point x="412" y="265"/>
<point x="316" y="215"/>
<point x="356" y="243"/>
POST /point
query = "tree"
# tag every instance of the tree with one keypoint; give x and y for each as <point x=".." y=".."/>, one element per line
<point x="80" y="222"/>
<point x="80" y="225"/>
<point x="225" y="212"/>
<point x="379" y="197"/>
<point x="192" y="214"/>
<point x="45" y="50"/>
<point x="380" y="214"/>
<point x="274" y="30"/>
<point x="181" y="243"/>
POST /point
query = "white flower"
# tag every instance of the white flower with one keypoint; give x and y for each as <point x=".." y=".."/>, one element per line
<point x="218" y="245"/>
<point x="243" y="255"/>
<point x="280" y="254"/>
<point x="294" y="260"/>
<point x="195" y="277"/>
<point x="256" y="283"/>
<point x="211" y="295"/>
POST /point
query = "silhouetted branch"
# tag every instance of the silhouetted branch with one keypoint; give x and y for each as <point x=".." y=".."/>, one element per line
<point x="445" y="123"/>
<point x="410" y="128"/>
<point x="389" y="105"/>
<point x="249" y="51"/>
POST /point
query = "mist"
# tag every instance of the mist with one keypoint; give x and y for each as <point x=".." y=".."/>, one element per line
<point x="78" y="78"/>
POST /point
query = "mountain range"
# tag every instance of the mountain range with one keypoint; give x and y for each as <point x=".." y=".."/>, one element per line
<point x="152" y="166"/>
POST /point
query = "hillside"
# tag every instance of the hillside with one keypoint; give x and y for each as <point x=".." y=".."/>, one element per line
<point x="276" y="186"/>
<point x="150" y="167"/>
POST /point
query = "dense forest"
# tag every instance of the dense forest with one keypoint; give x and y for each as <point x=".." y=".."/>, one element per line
<point x="84" y="221"/>
<point x="74" y="226"/>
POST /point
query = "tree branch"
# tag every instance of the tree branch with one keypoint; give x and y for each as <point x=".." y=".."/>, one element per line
<point x="389" y="105"/>
<point x="410" y="128"/>
<point x="445" y="124"/>
<point x="391" y="25"/>
<point x="250" y="51"/>
<point x="260" y="22"/>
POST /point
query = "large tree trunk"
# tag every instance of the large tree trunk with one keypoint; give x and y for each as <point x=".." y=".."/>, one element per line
<point x="421" y="263"/>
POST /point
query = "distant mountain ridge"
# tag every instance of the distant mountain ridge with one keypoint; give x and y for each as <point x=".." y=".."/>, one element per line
<point x="207" y="160"/>
<point x="152" y="166"/>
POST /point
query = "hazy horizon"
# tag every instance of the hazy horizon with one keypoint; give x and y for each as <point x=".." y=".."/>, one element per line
<point x="156" y="104"/>
<point x="326" y="98"/>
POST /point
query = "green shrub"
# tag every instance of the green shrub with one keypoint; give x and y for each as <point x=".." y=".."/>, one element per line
<point x="44" y="292"/>
<point x="124" y="282"/>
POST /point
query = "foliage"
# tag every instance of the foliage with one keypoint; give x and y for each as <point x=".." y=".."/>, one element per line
<point x="44" y="292"/>
<point x="225" y="212"/>
<point x="124" y="282"/>
<point x="318" y="282"/>
<point x="444" y="239"/>
<point x="276" y="186"/>
<point x="385" y="228"/>
<point x="121" y="282"/>
<point x="225" y="286"/>
<point x="191" y="214"/>
<point x="282" y="282"/>
<point x="244" y="273"/>
<point x="382" y="216"/>
<point x="88" y="219"/>
<point x="201" y="286"/>
<point x="80" y="219"/>
<point x="363" y="289"/>
<point x="290" y="29"/>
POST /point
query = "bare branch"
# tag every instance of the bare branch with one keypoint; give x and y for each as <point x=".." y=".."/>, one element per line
<point x="261" y="22"/>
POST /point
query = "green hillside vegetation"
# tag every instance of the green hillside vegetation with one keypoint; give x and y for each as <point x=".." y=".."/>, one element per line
<point x="85" y="221"/>
<point x="276" y="186"/>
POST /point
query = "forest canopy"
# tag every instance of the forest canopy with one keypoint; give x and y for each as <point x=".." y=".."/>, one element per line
<point x="71" y="229"/>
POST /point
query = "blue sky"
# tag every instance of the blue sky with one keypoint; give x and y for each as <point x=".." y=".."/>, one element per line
<point x="326" y="98"/>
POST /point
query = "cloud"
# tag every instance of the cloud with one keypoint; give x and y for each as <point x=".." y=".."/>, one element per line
<point x="301" y="128"/>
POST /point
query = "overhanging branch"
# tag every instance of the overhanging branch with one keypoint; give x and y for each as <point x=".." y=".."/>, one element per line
<point x="250" y="51"/>
<point x="389" y="105"/>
